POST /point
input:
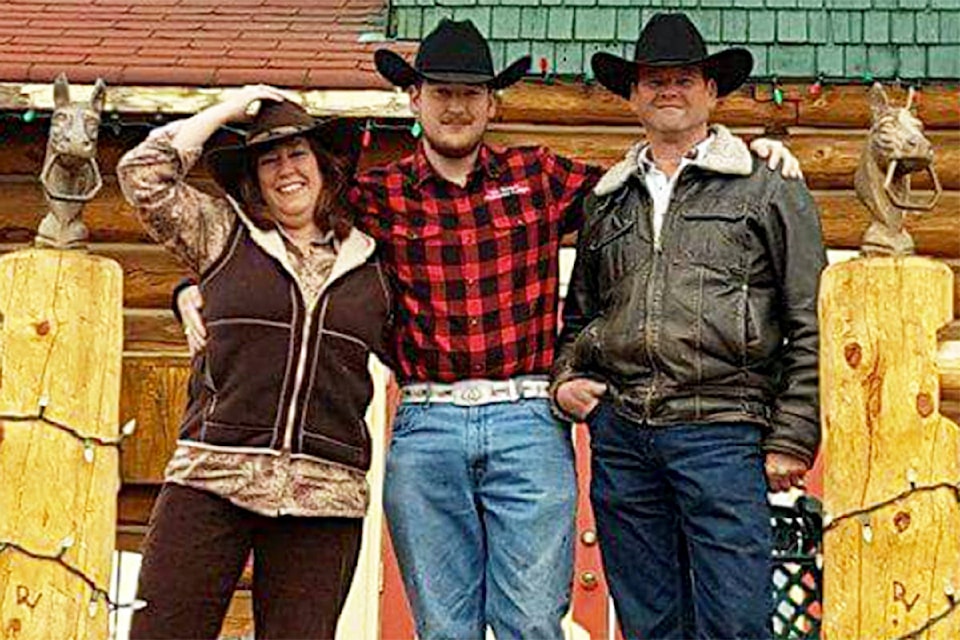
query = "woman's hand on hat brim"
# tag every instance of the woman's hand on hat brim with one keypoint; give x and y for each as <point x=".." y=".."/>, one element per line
<point x="236" y="103"/>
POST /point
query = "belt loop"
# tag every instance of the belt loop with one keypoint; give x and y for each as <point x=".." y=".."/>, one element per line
<point x="429" y="397"/>
<point x="514" y="390"/>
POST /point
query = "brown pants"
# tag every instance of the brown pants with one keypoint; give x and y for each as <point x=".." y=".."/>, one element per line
<point x="195" y="551"/>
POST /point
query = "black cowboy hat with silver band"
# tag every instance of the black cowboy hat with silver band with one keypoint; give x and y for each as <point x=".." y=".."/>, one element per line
<point x="672" y="40"/>
<point x="274" y="122"/>
<point x="453" y="53"/>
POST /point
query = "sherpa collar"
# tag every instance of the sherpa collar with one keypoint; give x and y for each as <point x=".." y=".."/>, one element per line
<point x="726" y="154"/>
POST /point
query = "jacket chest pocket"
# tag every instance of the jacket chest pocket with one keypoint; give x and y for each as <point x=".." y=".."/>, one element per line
<point x="618" y="250"/>
<point x="714" y="238"/>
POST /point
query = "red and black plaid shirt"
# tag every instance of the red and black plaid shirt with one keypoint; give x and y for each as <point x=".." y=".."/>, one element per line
<point x="475" y="267"/>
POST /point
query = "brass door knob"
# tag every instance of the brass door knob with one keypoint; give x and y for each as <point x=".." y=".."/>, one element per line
<point x="589" y="537"/>
<point x="589" y="580"/>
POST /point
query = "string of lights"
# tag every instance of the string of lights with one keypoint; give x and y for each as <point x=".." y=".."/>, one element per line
<point x="98" y="593"/>
<point x="89" y="443"/>
<point x="863" y="516"/>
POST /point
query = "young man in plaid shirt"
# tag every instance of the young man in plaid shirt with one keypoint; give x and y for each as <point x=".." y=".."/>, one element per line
<point x="480" y="489"/>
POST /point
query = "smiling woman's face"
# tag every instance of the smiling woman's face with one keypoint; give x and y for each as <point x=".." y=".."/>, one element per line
<point x="290" y="182"/>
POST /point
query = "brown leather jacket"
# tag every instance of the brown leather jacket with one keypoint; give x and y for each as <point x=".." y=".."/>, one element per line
<point x="718" y="321"/>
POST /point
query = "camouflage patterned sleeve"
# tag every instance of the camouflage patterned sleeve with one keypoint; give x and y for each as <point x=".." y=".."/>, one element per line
<point x="191" y="224"/>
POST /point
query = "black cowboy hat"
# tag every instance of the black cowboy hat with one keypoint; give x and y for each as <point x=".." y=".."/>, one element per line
<point x="454" y="52"/>
<point x="672" y="40"/>
<point x="273" y="122"/>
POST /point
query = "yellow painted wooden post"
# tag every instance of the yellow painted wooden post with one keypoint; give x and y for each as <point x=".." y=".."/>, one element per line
<point x="62" y="343"/>
<point x="892" y="462"/>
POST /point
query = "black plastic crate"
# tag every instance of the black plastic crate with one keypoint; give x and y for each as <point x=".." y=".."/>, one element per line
<point x="797" y="570"/>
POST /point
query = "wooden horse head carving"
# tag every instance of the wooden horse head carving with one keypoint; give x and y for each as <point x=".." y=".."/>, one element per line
<point x="70" y="175"/>
<point x="895" y="149"/>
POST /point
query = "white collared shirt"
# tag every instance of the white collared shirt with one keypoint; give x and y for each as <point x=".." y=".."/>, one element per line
<point x="660" y="185"/>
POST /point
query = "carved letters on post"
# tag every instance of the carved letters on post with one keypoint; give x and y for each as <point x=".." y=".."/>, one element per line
<point x="895" y="149"/>
<point x="70" y="175"/>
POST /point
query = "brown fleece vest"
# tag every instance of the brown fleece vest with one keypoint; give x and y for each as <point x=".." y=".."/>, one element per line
<point x="244" y="388"/>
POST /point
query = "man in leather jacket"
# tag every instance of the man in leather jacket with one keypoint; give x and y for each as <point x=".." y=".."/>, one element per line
<point x="690" y="347"/>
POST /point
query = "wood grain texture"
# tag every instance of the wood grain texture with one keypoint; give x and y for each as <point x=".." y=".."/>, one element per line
<point x="62" y="341"/>
<point x="149" y="271"/>
<point x="849" y="106"/>
<point x="836" y="106"/>
<point x="886" y="572"/>
<point x="154" y="393"/>
<point x="845" y="218"/>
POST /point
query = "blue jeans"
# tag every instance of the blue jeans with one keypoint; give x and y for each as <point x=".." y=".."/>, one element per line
<point x="481" y="505"/>
<point x="702" y="486"/>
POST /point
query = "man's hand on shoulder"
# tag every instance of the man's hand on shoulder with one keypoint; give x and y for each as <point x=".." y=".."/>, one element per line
<point x="579" y="396"/>
<point x="777" y="154"/>
<point x="189" y="303"/>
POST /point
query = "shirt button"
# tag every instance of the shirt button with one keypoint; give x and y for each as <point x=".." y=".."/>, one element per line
<point x="474" y="321"/>
<point x="471" y="281"/>
<point x="412" y="235"/>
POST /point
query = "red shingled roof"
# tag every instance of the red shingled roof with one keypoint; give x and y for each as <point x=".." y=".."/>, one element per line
<point x="292" y="43"/>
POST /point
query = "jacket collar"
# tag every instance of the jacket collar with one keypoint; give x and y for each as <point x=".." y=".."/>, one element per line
<point x="727" y="154"/>
<point x="488" y="163"/>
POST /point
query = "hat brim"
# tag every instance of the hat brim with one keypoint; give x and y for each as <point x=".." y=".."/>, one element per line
<point x="729" y="68"/>
<point x="229" y="163"/>
<point x="401" y="74"/>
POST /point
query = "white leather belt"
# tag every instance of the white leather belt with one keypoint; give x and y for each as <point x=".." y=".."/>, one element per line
<point x="471" y="393"/>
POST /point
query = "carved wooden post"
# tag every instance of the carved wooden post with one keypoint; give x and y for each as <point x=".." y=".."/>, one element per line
<point x="892" y="462"/>
<point x="62" y="342"/>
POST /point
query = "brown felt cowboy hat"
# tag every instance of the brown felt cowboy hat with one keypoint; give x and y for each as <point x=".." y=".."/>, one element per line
<point x="275" y="121"/>
<point x="672" y="40"/>
<point x="454" y="53"/>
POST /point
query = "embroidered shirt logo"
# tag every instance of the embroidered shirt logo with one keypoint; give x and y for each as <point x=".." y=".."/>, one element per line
<point x="506" y="191"/>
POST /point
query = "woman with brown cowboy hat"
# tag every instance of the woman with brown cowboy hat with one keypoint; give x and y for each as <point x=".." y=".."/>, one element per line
<point x="273" y="447"/>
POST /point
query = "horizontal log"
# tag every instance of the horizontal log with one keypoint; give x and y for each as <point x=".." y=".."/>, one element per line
<point x="567" y="103"/>
<point x="135" y="502"/>
<point x="935" y="233"/>
<point x="152" y="331"/>
<point x="829" y="159"/>
<point x="938" y="107"/>
<point x="109" y="217"/>
<point x="836" y="106"/>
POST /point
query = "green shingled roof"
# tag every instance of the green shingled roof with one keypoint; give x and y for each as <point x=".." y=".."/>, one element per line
<point x="790" y="39"/>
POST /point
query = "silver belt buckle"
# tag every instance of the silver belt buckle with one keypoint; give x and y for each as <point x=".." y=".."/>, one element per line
<point x="473" y="394"/>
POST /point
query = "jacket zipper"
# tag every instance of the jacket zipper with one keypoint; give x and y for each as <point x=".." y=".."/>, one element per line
<point x="297" y="381"/>
<point x="651" y="352"/>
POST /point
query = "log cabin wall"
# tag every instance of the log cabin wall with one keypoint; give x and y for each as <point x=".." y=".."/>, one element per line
<point x="582" y="121"/>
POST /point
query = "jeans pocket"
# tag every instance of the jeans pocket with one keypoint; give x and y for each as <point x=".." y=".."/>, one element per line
<point x="540" y="409"/>
<point x="405" y="418"/>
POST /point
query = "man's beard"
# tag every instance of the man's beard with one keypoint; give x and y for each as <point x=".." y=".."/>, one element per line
<point x="454" y="152"/>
